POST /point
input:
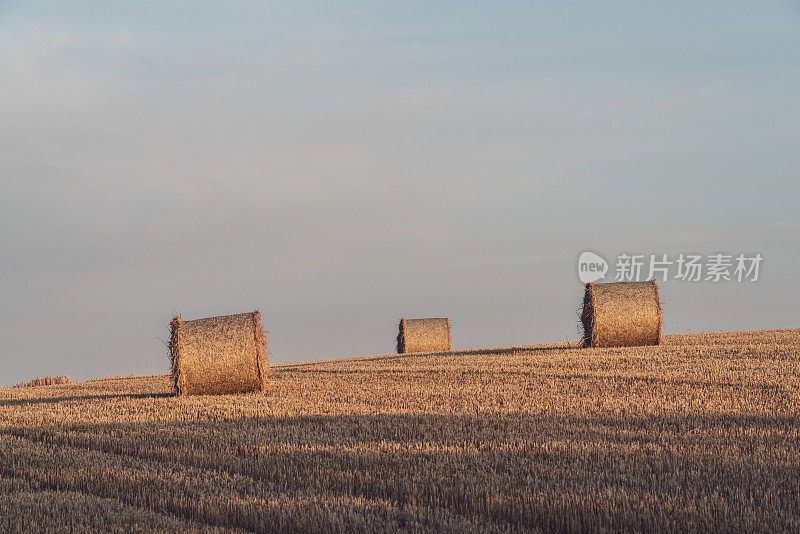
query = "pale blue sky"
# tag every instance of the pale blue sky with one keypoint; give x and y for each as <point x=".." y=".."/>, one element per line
<point x="340" y="165"/>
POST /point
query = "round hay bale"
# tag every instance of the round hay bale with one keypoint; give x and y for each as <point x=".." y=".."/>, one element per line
<point x="424" y="335"/>
<point x="621" y="314"/>
<point x="219" y="355"/>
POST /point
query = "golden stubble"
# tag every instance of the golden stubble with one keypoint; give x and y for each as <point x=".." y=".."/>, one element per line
<point x="698" y="433"/>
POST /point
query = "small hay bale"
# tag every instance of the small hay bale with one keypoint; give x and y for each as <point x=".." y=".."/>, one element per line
<point x="621" y="314"/>
<point x="45" y="381"/>
<point x="219" y="355"/>
<point x="424" y="335"/>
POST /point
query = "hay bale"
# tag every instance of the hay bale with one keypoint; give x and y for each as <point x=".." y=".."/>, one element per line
<point x="621" y="314"/>
<point x="424" y="335"/>
<point x="219" y="355"/>
<point x="45" y="381"/>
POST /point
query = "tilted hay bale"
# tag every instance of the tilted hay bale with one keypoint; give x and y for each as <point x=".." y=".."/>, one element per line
<point x="621" y="314"/>
<point x="424" y="335"/>
<point x="219" y="355"/>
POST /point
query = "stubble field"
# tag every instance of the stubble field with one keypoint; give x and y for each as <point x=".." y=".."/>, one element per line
<point x="701" y="433"/>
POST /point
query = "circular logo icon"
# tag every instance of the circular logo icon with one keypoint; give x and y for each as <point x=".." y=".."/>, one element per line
<point x="591" y="267"/>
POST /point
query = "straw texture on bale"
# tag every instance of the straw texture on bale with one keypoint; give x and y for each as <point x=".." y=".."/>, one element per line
<point x="621" y="314"/>
<point x="424" y="335"/>
<point x="219" y="355"/>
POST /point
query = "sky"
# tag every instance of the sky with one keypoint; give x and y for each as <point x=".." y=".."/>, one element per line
<point x="339" y="165"/>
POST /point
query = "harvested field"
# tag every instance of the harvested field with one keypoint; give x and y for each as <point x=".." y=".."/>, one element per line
<point x="700" y="433"/>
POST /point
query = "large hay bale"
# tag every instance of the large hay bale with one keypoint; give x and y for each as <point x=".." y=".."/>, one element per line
<point x="621" y="314"/>
<point x="424" y="335"/>
<point x="219" y="355"/>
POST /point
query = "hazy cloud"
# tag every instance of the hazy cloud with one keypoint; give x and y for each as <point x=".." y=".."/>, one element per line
<point x="339" y="168"/>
